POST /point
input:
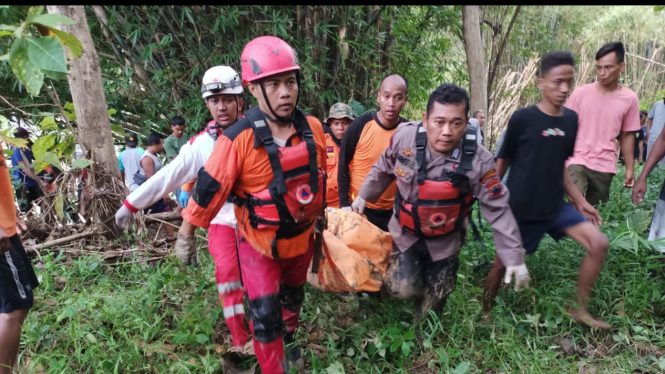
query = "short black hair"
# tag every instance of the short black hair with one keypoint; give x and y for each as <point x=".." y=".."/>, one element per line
<point x="177" y="121"/>
<point x="616" y="47"/>
<point x="476" y="112"/>
<point x="554" y="59"/>
<point x="406" y="82"/>
<point x="448" y="93"/>
<point x="644" y="113"/>
<point x="153" y="138"/>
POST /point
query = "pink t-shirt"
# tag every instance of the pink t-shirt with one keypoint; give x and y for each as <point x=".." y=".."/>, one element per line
<point x="601" y="120"/>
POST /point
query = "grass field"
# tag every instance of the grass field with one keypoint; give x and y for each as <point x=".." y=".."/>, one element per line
<point x="93" y="318"/>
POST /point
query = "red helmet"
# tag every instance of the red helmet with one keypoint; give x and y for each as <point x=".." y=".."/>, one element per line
<point x="265" y="56"/>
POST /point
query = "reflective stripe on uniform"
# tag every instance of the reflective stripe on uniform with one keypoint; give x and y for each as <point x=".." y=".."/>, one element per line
<point x="19" y="285"/>
<point x="228" y="286"/>
<point x="233" y="310"/>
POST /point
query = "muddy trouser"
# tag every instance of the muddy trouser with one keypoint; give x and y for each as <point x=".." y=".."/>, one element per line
<point x="594" y="185"/>
<point x="222" y="248"/>
<point x="412" y="273"/>
<point x="275" y="289"/>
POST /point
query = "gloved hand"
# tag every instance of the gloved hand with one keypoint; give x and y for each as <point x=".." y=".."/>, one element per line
<point x="185" y="249"/>
<point x="183" y="199"/>
<point x="347" y="209"/>
<point x="358" y="205"/>
<point x="123" y="217"/>
<point x="522" y="277"/>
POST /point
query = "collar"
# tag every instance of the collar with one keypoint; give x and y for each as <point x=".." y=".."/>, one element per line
<point x="327" y="130"/>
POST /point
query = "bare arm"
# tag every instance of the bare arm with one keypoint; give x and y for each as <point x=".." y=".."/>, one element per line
<point x="502" y="165"/>
<point x="628" y="151"/>
<point x="148" y="167"/>
<point x="576" y="198"/>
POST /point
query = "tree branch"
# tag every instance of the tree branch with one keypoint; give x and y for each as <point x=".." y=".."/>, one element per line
<point x="495" y="66"/>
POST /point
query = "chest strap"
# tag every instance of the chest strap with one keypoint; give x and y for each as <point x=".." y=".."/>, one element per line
<point x="469" y="147"/>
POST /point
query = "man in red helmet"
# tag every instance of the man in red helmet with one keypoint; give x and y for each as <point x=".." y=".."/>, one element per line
<point x="273" y="162"/>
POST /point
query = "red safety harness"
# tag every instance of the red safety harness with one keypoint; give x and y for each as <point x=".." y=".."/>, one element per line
<point x="442" y="205"/>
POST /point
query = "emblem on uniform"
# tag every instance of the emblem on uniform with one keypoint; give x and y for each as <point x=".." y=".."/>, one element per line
<point x="304" y="194"/>
<point x="553" y="132"/>
<point x="494" y="187"/>
<point x="407" y="152"/>
<point x="455" y="166"/>
<point x="438" y="219"/>
<point x="455" y="154"/>
<point x="400" y="172"/>
<point x="488" y="175"/>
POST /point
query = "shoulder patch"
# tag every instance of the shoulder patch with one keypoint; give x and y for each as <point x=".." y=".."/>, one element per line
<point x="407" y="152"/>
<point x="455" y="154"/>
<point x="488" y="175"/>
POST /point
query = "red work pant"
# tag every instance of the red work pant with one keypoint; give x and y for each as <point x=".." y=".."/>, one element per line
<point x="275" y="289"/>
<point x="222" y="247"/>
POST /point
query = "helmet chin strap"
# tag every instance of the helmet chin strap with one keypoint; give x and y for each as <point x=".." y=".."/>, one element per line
<point x="277" y="118"/>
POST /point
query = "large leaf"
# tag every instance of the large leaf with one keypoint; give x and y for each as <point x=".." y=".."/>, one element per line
<point x="46" y="53"/>
<point x="26" y="72"/>
<point x="34" y="12"/>
<point x="117" y="129"/>
<point x="59" y="208"/>
<point x="48" y="123"/>
<point x="81" y="163"/>
<point x="4" y="57"/>
<point x="52" y="159"/>
<point x="69" y="41"/>
<point x="11" y="141"/>
<point x="43" y="145"/>
<point x="8" y="28"/>
<point x="70" y="112"/>
<point x="5" y="33"/>
<point x="55" y="75"/>
<point x="51" y="20"/>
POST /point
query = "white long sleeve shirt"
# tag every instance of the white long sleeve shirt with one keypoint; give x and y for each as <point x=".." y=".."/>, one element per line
<point x="193" y="155"/>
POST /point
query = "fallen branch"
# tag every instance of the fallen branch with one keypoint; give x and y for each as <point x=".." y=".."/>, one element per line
<point x="56" y="242"/>
<point x="166" y="216"/>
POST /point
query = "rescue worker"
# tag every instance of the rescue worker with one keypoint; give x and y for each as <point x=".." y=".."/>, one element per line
<point x="338" y="121"/>
<point x="220" y="90"/>
<point x="367" y="137"/>
<point x="439" y="167"/>
<point x="274" y="162"/>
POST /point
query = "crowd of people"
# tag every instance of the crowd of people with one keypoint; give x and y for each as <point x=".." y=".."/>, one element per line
<point x="261" y="180"/>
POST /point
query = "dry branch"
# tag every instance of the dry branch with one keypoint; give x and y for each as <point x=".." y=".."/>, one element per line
<point x="61" y="241"/>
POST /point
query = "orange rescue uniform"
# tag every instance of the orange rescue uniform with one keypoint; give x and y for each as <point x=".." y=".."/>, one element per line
<point x="238" y="166"/>
<point x="332" y="152"/>
<point x="7" y="207"/>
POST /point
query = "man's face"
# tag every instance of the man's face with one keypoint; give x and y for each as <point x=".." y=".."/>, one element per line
<point x="282" y="93"/>
<point x="178" y="130"/>
<point x="481" y="118"/>
<point x="392" y="97"/>
<point x="223" y="108"/>
<point x="608" y="69"/>
<point x="445" y="126"/>
<point x="556" y="83"/>
<point x="338" y="126"/>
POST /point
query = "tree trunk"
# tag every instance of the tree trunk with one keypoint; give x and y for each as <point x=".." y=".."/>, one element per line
<point x="85" y="82"/>
<point x="475" y="58"/>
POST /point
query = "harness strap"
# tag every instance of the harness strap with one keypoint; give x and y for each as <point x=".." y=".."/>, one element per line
<point x="262" y="130"/>
<point x="421" y="144"/>
<point x="469" y="147"/>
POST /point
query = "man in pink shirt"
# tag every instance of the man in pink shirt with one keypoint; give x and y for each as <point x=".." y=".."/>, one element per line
<point x="605" y="110"/>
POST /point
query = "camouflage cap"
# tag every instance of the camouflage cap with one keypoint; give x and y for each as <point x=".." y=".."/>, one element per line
<point x="340" y="110"/>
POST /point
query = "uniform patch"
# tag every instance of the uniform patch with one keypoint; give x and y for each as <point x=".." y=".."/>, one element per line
<point x="410" y="163"/>
<point x="455" y="166"/>
<point x="438" y="219"/>
<point x="494" y="187"/>
<point x="407" y="152"/>
<point x="331" y="149"/>
<point x="400" y="172"/>
<point x="455" y="154"/>
<point x="304" y="194"/>
<point x="488" y="175"/>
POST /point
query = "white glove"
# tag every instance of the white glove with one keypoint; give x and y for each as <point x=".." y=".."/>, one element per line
<point x="123" y="217"/>
<point x="358" y="205"/>
<point x="522" y="277"/>
<point x="347" y="209"/>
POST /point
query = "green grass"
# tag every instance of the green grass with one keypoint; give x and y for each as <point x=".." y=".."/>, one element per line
<point x="167" y="319"/>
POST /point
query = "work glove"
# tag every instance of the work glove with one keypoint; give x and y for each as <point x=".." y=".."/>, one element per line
<point x="183" y="199"/>
<point x="347" y="209"/>
<point x="123" y="217"/>
<point x="185" y="249"/>
<point x="522" y="277"/>
<point x="358" y="205"/>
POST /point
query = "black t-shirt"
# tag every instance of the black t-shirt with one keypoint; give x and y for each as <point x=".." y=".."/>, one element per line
<point x="539" y="146"/>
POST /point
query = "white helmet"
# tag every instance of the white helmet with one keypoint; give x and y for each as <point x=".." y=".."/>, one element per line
<point x="221" y="80"/>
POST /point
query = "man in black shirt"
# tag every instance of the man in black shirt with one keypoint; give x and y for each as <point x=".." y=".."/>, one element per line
<point x="537" y="143"/>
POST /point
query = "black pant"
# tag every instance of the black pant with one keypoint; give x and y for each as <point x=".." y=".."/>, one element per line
<point x="26" y="196"/>
<point x="379" y="217"/>
<point x="17" y="278"/>
<point x="413" y="273"/>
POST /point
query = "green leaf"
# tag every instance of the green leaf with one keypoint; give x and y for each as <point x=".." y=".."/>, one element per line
<point x="112" y="112"/>
<point x="26" y="72"/>
<point x="52" y="159"/>
<point x="4" y="57"/>
<point x="51" y="20"/>
<point x="462" y="368"/>
<point x="42" y="145"/>
<point x="5" y="33"/>
<point x="658" y="8"/>
<point x="34" y="11"/>
<point x="46" y="53"/>
<point x="117" y="129"/>
<point x="59" y="206"/>
<point x="91" y="338"/>
<point x="406" y="349"/>
<point x="55" y="75"/>
<point x="69" y="41"/>
<point x="48" y="123"/>
<point x="70" y="112"/>
<point x="201" y="338"/>
<point x="8" y="28"/>
<point x="81" y="163"/>
<point x="8" y="153"/>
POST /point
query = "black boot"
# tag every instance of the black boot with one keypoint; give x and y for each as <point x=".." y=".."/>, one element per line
<point x="291" y="350"/>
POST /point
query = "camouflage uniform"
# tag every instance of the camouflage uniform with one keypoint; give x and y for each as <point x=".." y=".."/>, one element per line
<point x="340" y="110"/>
